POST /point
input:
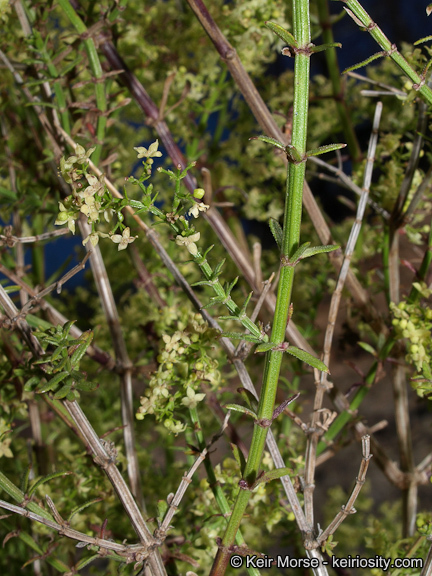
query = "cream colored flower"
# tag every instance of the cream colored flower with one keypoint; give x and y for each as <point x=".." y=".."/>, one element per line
<point x="192" y="399"/>
<point x="189" y="242"/>
<point x="94" y="238"/>
<point x="151" y="152"/>
<point x="96" y="185"/>
<point x="124" y="239"/>
<point x="197" y="208"/>
<point x="91" y="208"/>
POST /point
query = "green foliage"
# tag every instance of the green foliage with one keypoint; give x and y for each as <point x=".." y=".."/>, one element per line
<point x="177" y="366"/>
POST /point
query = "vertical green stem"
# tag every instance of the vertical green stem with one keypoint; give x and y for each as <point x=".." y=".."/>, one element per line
<point x="292" y="222"/>
<point x="96" y="69"/>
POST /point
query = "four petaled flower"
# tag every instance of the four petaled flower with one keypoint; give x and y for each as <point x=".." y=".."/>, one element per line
<point x="96" y="185"/>
<point x="94" y="238"/>
<point x="124" y="239"/>
<point x="192" y="398"/>
<point x="189" y="242"/>
<point x="152" y="151"/>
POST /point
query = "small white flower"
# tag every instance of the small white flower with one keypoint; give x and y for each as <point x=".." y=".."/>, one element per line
<point x="94" y="238"/>
<point x="95" y="186"/>
<point x="197" y="208"/>
<point x="124" y="239"/>
<point x="192" y="399"/>
<point x="90" y="208"/>
<point x="189" y="242"/>
<point x="152" y="151"/>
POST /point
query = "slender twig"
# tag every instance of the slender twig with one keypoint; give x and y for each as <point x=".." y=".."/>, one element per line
<point x="387" y="87"/>
<point x="322" y="385"/>
<point x="8" y="239"/>
<point x="349" y="184"/>
<point x="427" y="566"/>
<point x="39" y="295"/>
<point x="123" y="362"/>
<point x="131" y="552"/>
<point x="412" y="164"/>
<point x="174" y="502"/>
<point x="348" y="508"/>
<point x="403" y="430"/>
<point x="418" y="194"/>
<point x="145" y="279"/>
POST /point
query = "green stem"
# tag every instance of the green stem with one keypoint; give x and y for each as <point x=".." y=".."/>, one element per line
<point x="96" y="69"/>
<point x="363" y="19"/>
<point x="292" y="222"/>
<point x="218" y="493"/>
<point x="335" y="78"/>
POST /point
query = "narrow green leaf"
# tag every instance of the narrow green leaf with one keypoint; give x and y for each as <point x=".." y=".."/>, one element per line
<point x="45" y="479"/>
<point x="86" y="386"/>
<point x="245" y="305"/>
<point x="7" y="195"/>
<point x="213" y="302"/>
<point x="137" y="204"/>
<point x="162" y="507"/>
<point x="67" y="327"/>
<point x="28" y="386"/>
<point x="298" y="254"/>
<point x="368" y="348"/>
<point x="249" y="398"/>
<point x="86" y="561"/>
<point x="86" y="339"/>
<point x="229" y="287"/>
<point x="422" y="40"/>
<point x="218" y="268"/>
<point x="276" y="230"/>
<point x="239" y="458"/>
<point x="325" y="149"/>
<point x="202" y="283"/>
<point x="82" y="507"/>
<point x="269" y="476"/>
<point x="25" y="479"/>
<point x="243" y="409"/>
<point x="322" y="47"/>
<point x="365" y="62"/>
<point x="265" y="347"/>
<point x="319" y="250"/>
<point x="429" y="10"/>
<point x="307" y="358"/>
<point x="64" y="391"/>
<point x="269" y="140"/>
<point x="238" y="336"/>
<point x="12" y="288"/>
<point x="51" y="384"/>
<point x="282" y="33"/>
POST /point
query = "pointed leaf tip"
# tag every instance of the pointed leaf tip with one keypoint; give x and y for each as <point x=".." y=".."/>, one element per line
<point x="282" y="33"/>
